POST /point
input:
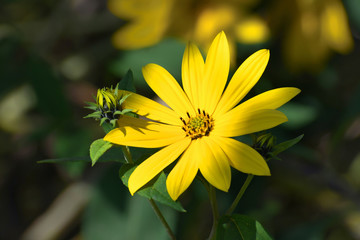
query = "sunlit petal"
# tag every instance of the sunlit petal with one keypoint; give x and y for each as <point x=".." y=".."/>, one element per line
<point x="243" y="157"/>
<point x="150" y="109"/>
<point x="137" y="132"/>
<point x="247" y="75"/>
<point x="167" y="88"/>
<point x="237" y="123"/>
<point x="216" y="72"/>
<point x="268" y="100"/>
<point x="152" y="166"/>
<point x="192" y="73"/>
<point x="184" y="172"/>
<point x="214" y="164"/>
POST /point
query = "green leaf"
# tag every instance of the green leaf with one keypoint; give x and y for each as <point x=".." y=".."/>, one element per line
<point x="91" y="108"/>
<point x="240" y="227"/>
<point x="93" y="115"/>
<point x="113" y="214"/>
<point x="123" y="98"/>
<point x="91" y="105"/>
<point x="102" y="121"/>
<point x="155" y="189"/>
<point x="97" y="149"/>
<point x="127" y="82"/>
<point x="285" y="145"/>
<point x="114" y="154"/>
<point x="107" y="127"/>
<point x="126" y="111"/>
<point x="66" y="159"/>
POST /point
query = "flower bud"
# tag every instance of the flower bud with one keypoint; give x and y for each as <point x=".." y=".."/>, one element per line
<point x="264" y="144"/>
<point x="108" y="106"/>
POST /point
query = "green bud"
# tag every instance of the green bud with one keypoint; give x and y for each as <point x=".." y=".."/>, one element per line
<point x="264" y="144"/>
<point x="109" y="105"/>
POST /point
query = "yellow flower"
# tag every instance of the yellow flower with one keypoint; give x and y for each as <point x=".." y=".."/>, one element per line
<point x="202" y="119"/>
<point x="149" y="21"/>
<point x="316" y="28"/>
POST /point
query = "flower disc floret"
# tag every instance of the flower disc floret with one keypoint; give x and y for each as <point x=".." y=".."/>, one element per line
<point x="198" y="126"/>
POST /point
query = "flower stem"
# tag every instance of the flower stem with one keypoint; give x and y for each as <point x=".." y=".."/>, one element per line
<point x="240" y="194"/>
<point x="215" y="211"/>
<point x="162" y="219"/>
<point x="127" y="154"/>
<point x="128" y="158"/>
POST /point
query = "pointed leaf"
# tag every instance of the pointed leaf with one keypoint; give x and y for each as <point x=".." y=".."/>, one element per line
<point x="102" y="121"/>
<point x="107" y="127"/>
<point x="112" y="155"/>
<point x="98" y="148"/>
<point x="117" y="113"/>
<point x="113" y="122"/>
<point x="66" y="159"/>
<point x="91" y="104"/>
<point x="127" y="82"/>
<point x="285" y="145"/>
<point x="91" y="108"/>
<point x="123" y="98"/>
<point x="155" y="189"/>
<point x="126" y="111"/>
<point x="93" y="115"/>
<point x="240" y="227"/>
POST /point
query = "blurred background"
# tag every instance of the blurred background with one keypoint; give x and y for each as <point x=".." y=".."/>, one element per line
<point x="55" y="54"/>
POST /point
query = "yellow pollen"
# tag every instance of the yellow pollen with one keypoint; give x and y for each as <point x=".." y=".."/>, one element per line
<point x="198" y="126"/>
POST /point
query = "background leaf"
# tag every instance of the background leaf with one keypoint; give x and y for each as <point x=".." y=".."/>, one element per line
<point x="114" y="214"/>
<point x="127" y="82"/>
<point x="98" y="148"/>
<point x="114" y="154"/>
<point x="285" y="145"/>
<point x="155" y="189"/>
<point x="240" y="227"/>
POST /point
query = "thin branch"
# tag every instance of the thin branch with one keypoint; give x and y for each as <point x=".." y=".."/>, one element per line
<point x="240" y="194"/>
<point x="162" y="219"/>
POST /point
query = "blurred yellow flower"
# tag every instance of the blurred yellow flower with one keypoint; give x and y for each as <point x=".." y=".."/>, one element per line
<point x="315" y="29"/>
<point x="202" y="119"/>
<point x="148" y="22"/>
<point x="198" y="21"/>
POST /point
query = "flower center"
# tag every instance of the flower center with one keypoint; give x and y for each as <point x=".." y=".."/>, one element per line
<point x="198" y="126"/>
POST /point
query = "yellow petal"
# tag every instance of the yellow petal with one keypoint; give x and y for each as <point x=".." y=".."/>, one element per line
<point x="268" y="100"/>
<point x="166" y="87"/>
<point x="137" y="132"/>
<point x="243" y="157"/>
<point x="139" y="8"/>
<point x="237" y="123"/>
<point x="150" y="109"/>
<point x="152" y="166"/>
<point x="214" y="164"/>
<point x="217" y="66"/>
<point x="184" y="172"/>
<point x="247" y="75"/>
<point x="139" y="34"/>
<point x="192" y="73"/>
<point x="335" y="27"/>
<point x="147" y="22"/>
<point x="252" y="30"/>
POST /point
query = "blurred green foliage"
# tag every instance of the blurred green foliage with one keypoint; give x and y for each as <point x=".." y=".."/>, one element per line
<point x="60" y="53"/>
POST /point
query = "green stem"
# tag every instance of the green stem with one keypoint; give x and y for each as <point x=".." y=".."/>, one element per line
<point x="215" y="211"/>
<point x="162" y="219"/>
<point x="127" y="154"/>
<point x="128" y="158"/>
<point x="240" y="194"/>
